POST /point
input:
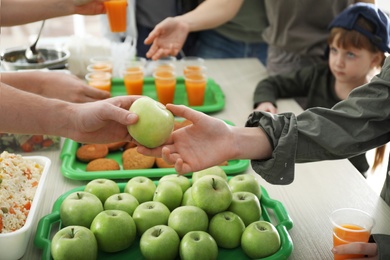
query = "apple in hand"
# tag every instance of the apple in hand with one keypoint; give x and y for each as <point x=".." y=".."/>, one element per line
<point x="155" y="122"/>
<point x="169" y="193"/>
<point x="187" y="198"/>
<point x="114" y="230"/>
<point x="102" y="188"/>
<point x="142" y="188"/>
<point x="149" y="214"/>
<point x="122" y="201"/>
<point x="80" y="208"/>
<point x="212" y="194"/>
<point x="245" y="182"/>
<point x="188" y="218"/>
<point x="74" y="242"/>
<point x="215" y="170"/>
<point x="260" y="239"/>
<point x="160" y="242"/>
<point x="226" y="228"/>
<point x="182" y="180"/>
<point x="247" y="206"/>
<point x="198" y="245"/>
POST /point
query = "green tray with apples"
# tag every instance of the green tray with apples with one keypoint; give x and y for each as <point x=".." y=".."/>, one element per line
<point x="214" y="99"/>
<point x="76" y="170"/>
<point x="51" y="223"/>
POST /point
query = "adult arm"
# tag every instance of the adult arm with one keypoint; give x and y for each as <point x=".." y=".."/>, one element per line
<point x="168" y="37"/>
<point x="17" y="12"/>
<point x="102" y="121"/>
<point x="51" y="84"/>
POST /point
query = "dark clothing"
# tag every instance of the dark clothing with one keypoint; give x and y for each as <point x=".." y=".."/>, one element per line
<point x="316" y="83"/>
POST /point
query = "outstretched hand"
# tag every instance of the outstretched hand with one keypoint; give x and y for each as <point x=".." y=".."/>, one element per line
<point x="167" y="38"/>
<point x="197" y="146"/>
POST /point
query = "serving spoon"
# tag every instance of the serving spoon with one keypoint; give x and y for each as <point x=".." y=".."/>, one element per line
<point x="32" y="54"/>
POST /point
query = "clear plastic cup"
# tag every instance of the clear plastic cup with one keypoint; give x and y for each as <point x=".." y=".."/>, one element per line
<point x="99" y="79"/>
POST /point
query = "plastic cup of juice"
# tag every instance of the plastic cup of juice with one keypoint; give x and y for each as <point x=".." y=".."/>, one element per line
<point x="195" y="83"/>
<point x="99" y="79"/>
<point x="134" y="80"/>
<point x="100" y="64"/>
<point x="116" y="14"/>
<point x="193" y="64"/>
<point x="165" y="81"/>
<point x="350" y="225"/>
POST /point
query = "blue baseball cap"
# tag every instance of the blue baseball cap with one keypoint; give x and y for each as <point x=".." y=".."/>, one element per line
<point x="348" y="17"/>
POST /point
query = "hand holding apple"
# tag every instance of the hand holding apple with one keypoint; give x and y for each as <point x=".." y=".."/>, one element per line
<point x="155" y="122"/>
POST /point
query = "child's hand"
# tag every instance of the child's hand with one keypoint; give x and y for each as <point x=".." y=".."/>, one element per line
<point x="267" y="107"/>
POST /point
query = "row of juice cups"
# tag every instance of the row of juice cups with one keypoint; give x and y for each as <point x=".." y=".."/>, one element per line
<point x="194" y="72"/>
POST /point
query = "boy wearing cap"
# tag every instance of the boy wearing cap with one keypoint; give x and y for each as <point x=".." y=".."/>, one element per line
<point x="357" y="43"/>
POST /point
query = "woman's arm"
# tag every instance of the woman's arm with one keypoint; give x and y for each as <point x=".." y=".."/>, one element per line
<point x="103" y="121"/>
<point x="17" y="12"/>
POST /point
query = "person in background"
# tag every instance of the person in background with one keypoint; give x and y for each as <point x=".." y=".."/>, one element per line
<point x="275" y="142"/>
<point x="144" y="15"/>
<point x="297" y="34"/>
<point x="237" y="27"/>
<point x="354" y="58"/>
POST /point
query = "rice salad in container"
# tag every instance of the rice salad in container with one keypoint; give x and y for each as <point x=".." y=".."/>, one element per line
<point x="21" y="186"/>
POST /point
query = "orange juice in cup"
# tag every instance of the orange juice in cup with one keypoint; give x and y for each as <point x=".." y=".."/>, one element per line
<point x="116" y="14"/>
<point x="101" y="63"/>
<point x="195" y="87"/>
<point x="193" y="64"/>
<point x="350" y="225"/>
<point x="99" y="79"/>
<point x="134" y="80"/>
<point x="165" y="81"/>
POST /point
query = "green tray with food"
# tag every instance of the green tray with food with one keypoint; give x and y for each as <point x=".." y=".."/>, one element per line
<point x="214" y="99"/>
<point x="122" y="161"/>
<point x="143" y="230"/>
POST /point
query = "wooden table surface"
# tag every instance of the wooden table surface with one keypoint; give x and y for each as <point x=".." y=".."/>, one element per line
<point x="318" y="188"/>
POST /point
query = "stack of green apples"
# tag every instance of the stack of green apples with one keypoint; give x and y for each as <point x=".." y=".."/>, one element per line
<point x="174" y="217"/>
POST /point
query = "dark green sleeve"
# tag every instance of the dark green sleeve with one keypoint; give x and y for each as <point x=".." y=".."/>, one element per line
<point x="353" y="126"/>
<point x="295" y="84"/>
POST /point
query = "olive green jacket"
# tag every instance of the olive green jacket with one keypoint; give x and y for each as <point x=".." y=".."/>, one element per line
<point x="353" y="126"/>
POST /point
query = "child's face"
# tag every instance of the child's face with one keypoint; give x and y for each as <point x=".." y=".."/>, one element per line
<point x="351" y="64"/>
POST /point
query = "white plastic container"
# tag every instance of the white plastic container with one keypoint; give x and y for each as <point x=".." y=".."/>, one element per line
<point x="13" y="245"/>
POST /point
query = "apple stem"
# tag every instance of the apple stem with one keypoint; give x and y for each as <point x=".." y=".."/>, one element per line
<point x="79" y="195"/>
<point x="72" y="232"/>
<point x="214" y="184"/>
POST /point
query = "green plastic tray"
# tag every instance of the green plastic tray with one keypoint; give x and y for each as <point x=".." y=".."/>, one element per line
<point x="214" y="99"/>
<point x="75" y="169"/>
<point x="51" y="223"/>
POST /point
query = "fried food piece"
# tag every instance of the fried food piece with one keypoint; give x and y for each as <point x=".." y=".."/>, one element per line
<point x="112" y="147"/>
<point x="102" y="164"/>
<point x="132" y="159"/>
<point x="89" y="152"/>
<point x="163" y="164"/>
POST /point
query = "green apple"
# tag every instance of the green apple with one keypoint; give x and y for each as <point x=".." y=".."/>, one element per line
<point x="226" y="228"/>
<point x="215" y="170"/>
<point x="142" y="188"/>
<point x="260" y="239"/>
<point x="122" y="201"/>
<point x="247" y="206"/>
<point x="168" y="193"/>
<point x="102" y="188"/>
<point x="160" y="242"/>
<point x="149" y="214"/>
<point x="245" y="182"/>
<point x="212" y="194"/>
<point x="188" y="218"/>
<point x="198" y="245"/>
<point x="187" y="198"/>
<point x="74" y="242"/>
<point x="155" y="122"/>
<point x="114" y="230"/>
<point x="182" y="180"/>
<point x="80" y="208"/>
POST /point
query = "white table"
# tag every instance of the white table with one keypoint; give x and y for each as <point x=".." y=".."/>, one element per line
<point x="318" y="188"/>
